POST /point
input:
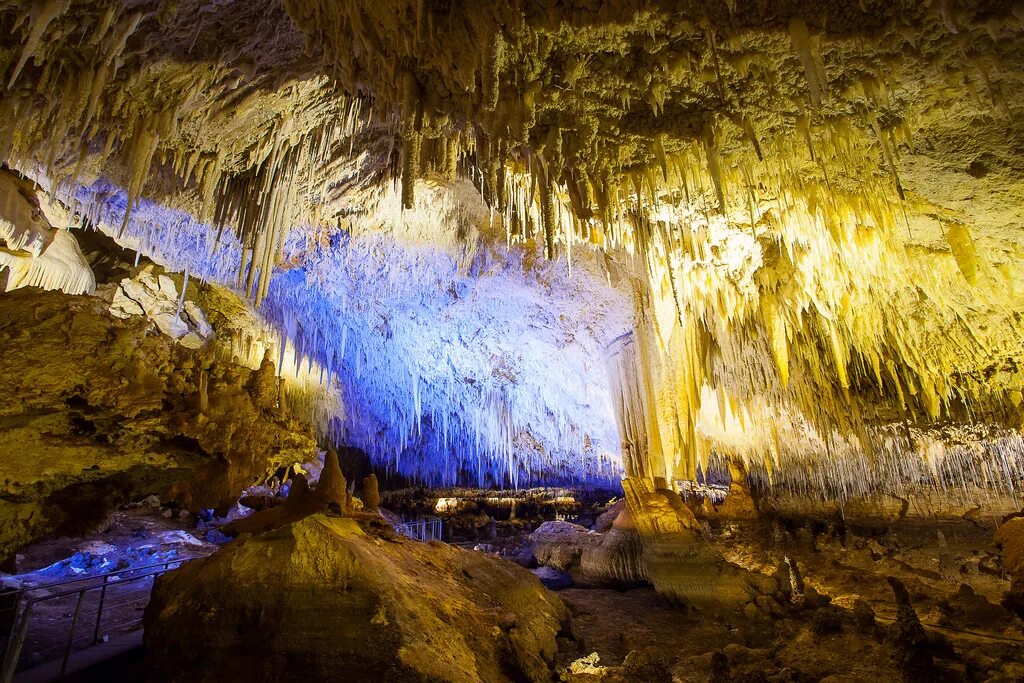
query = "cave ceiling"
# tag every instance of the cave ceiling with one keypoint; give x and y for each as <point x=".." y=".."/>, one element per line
<point x="815" y="206"/>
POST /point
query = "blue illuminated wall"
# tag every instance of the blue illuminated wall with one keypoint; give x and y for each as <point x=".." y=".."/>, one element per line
<point x="457" y="361"/>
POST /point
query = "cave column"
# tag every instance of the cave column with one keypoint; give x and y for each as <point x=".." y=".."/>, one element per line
<point x="646" y="396"/>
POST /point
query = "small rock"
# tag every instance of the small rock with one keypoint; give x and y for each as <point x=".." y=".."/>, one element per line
<point x="826" y="622"/>
<point x="191" y="340"/>
<point x="863" y="615"/>
<point x="552" y="578"/>
<point x="877" y="550"/>
<point x="215" y="536"/>
<point x="587" y="665"/>
<point x="648" y="665"/>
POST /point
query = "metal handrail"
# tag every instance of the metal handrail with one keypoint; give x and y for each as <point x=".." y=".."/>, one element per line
<point x="426" y="529"/>
<point x="19" y="628"/>
<point x="18" y="593"/>
<point x="65" y="582"/>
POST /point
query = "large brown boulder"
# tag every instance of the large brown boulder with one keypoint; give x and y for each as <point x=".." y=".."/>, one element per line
<point x="325" y="598"/>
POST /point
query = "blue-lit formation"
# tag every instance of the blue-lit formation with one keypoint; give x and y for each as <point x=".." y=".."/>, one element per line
<point x="454" y="366"/>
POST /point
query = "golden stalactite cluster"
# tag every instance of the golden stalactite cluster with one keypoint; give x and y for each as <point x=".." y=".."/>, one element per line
<point x="588" y="99"/>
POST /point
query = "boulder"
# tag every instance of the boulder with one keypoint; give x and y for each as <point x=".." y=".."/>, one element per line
<point x="590" y="558"/>
<point x="327" y="598"/>
<point x="154" y="295"/>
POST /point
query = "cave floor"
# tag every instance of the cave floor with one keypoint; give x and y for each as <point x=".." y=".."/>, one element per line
<point x="640" y="636"/>
<point x="951" y="571"/>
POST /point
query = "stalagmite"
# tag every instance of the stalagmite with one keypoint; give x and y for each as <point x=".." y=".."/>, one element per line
<point x="203" y="404"/>
<point x="332" y="489"/>
<point x="371" y="493"/>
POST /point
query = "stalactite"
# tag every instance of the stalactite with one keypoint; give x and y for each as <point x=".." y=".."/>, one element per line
<point x="803" y="45"/>
<point x="817" y="327"/>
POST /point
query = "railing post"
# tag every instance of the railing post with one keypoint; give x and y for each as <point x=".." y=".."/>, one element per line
<point x="17" y="642"/>
<point x="99" y="610"/>
<point x="71" y="636"/>
<point x="14" y="626"/>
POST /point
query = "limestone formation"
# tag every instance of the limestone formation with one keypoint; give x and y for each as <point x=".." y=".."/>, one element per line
<point x="34" y="253"/>
<point x="329" y="496"/>
<point x="611" y="558"/>
<point x="263" y="384"/>
<point x="910" y="640"/>
<point x="679" y="565"/>
<point x="98" y="413"/>
<point x="332" y="489"/>
<point x="324" y="598"/>
<point x="1010" y="536"/>
<point x="156" y="296"/>
<point x="371" y="493"/>
<point x="814" y="208"/>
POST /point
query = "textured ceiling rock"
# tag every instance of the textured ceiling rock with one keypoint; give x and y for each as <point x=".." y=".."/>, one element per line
<point x="97" y="411"/>
<point x="816" y="204"/>
<point x="322" y="596"/>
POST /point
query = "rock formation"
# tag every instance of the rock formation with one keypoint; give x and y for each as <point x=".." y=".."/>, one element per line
<point x="34" y="253"/>
<point x="99" y="412"/>
<point x="913" y="651"/>
<point x="329" y="496"/>
<point x="1010" y="536"/>
<point x="765" y="190"/>
<point x="324" y="598"/>
<point x="371" y="493"/>
<point x="611" y="558"/>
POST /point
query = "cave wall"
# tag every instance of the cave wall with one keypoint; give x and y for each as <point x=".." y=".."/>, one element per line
<point x="100" y="411"/>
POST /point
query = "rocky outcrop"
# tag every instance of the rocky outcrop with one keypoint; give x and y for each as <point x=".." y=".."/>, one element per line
<point x="612" y="558"/>
<point x="327" y="599"/>
<point x="155" y="295"/>
<point x="1010" y="536"/>
<point x="34" y="253"/>
<point x="98" y="411"/>
<point x="330" y="495"/>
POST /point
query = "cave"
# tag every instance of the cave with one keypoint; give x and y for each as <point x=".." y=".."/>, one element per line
<point x="651" y="341"/>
